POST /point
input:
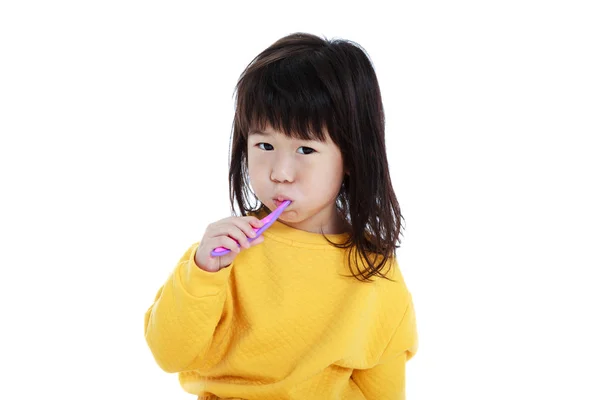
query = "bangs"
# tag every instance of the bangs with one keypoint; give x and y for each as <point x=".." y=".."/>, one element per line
<point x="289" y="95"/>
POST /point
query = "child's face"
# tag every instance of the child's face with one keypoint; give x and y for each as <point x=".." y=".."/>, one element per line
<point x="309" y="173"/>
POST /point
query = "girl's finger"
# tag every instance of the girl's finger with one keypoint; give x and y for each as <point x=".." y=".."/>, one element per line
<point x="245" y="232"/>
<point x="228" y="243"/>
<point x="252" y="222"/>
<point x="230" y="230"/>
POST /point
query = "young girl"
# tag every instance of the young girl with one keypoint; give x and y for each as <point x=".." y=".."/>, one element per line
<point x="316" y="307"/>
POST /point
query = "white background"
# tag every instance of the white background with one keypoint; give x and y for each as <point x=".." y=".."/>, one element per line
<point x="115" y="120"/>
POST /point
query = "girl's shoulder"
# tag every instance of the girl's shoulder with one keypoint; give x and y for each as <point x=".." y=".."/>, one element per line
<point x="393" y="285"/>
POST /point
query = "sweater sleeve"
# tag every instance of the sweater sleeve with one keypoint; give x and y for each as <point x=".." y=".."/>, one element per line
<point x="187" y="315"/>
<point x="386" y="381"/>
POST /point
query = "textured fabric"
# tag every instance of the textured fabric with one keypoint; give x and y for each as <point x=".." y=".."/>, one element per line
<point x="281" y="322"/>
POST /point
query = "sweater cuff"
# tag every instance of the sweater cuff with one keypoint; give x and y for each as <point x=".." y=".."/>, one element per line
<point x="200" y="283"/>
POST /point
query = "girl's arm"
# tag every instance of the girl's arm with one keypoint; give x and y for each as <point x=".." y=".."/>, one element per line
<point x="188" y="315"/>
<point x="386" y="380"/>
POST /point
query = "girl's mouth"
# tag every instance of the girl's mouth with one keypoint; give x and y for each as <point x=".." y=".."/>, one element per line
<point x="278" y="202"/>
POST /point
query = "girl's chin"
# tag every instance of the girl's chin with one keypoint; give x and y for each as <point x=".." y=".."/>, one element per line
<point x="288" y="216"/>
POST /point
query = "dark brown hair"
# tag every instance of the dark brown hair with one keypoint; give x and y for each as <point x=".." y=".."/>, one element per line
<point x="300" y="84"/>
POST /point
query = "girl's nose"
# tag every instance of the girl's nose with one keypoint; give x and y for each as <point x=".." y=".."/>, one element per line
<point x="282" y="171"/>
<point x="280" y="176"/>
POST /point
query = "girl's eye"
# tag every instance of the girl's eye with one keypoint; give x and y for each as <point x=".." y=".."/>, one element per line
<point x="310" y="150"/>
<point x="267" y="144"/>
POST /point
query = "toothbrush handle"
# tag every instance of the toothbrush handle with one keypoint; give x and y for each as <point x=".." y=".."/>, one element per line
<point x="221" y="251"/>
<point x="266" y="221"/>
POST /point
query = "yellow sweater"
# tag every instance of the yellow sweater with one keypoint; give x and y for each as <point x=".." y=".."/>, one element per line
<point x="282" y="323"/>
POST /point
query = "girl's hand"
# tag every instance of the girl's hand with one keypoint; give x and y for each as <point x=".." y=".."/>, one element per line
<point x="222" y="234"/>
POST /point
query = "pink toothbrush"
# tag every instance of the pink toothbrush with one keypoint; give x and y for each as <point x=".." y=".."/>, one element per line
<point x="267" y="222"/>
